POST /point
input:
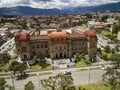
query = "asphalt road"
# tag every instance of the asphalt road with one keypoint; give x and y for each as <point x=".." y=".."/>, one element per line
<point x="80" y="77"/>
<point x="103" y="41"/>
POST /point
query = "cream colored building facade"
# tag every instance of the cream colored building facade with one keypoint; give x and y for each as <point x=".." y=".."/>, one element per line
<point x="56" y="43"/>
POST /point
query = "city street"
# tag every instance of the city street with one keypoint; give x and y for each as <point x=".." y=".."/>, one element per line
<point x="80" y="77"/>
<point x="103" y="41"/>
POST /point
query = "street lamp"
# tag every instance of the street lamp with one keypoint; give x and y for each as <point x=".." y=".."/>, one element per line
<point x="38" y="81"/>
<point x="12" y="80"/>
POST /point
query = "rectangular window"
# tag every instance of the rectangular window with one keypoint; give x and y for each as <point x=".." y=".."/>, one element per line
<point x="46" y="45"/>
<point x="37" y="45"/>
<point x="56" y="47"/>
<point x="41" y="45"/>
<point x="60" y="47"/>
<point x="33" y="47"/>
<point x="64" y="47"/>
<point x="24" y="49"/>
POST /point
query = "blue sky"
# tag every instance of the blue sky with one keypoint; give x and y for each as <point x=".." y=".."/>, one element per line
<point x="60" y="4"/>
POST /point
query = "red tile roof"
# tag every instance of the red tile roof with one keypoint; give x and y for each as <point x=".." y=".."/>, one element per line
<point x="59" y="34"/>
<point x="23" y="37"/>
<point x="77" y="36"/>
<point x="90" y="33"/>
<point x="39" y="38"/>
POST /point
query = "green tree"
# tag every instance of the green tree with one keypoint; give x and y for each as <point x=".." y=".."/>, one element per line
<point x="50" y="82"/>
<point x="99" y="50"/>
<point x="71" y="88"/>
<point x="107" y="49"/>
<point x="4" y="58"/>
<point x="113" y="51"/>
<point x="112" y="77"/>
<point x="9" y="87"/>
<point x="29" y="86"/>
<point x="116" y="28"/>
<point x="2" y="84"/>
<point x="23" y="24"/>
<point x="40" y="55"/>
<point x="117" y="48"/>
<point x="105" y="57"/>
<point x="115" y="58"/>
<point x="64" y="81"/>
<point x="21" y="68"/>
<point x="16" y="66"/>
<point x="43" y="64"/>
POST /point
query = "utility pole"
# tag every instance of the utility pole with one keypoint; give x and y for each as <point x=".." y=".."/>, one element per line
<point x="12" y="80"/>
<point x="38" y="81"/>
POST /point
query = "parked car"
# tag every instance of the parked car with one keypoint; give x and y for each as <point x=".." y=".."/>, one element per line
<point x="104" y="67"/>
<point x="67" y="73"/>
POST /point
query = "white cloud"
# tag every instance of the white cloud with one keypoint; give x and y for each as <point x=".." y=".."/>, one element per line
<point x="53" y="3"/>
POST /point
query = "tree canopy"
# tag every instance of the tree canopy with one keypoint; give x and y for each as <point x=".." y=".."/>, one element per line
<point x="16" y="66"/>
<point x="40" y="55"/>
<point x="59" y="81"/>
<point x="4" y="58"/>
<point x="50" y="82"/>
<point x="112" y="77"/>
<point x="115" y="57"/>
<point x="64" y="81"/>
<point x="29" y="86"/>
<point x="2" y="84"/>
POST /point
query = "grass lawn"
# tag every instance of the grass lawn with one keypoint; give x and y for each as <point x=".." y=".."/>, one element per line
<point x="86" y="69"/>
<point x="95" y="86"/>
<point x="37" y="67"/>
<point x="82" y="62"/>
<point x="108" y="34"/>
<point x="108" y="54"/>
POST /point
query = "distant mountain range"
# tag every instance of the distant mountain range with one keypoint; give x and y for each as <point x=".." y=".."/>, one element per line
<point x="25" y="10"/>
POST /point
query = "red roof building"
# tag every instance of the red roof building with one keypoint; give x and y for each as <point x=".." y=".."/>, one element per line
<point x="56" y="43"/>
<point x="90" y="33"/>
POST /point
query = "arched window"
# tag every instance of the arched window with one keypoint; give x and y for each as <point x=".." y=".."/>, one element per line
<point x="56" y="55"/>
<point x="25" y="56"/>
<point x="65" y="55"/>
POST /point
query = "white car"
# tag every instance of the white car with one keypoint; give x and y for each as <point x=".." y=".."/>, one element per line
<point x="67" y="73"/>
<point x="104" y="67"/>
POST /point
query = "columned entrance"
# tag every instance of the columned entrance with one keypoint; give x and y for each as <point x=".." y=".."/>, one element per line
<point x="59" y="55"/>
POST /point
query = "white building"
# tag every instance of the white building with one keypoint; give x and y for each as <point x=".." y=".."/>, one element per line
<point x="112" y="21"/>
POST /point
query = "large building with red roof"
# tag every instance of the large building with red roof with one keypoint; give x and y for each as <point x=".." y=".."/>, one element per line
<point x="56" y="43"/>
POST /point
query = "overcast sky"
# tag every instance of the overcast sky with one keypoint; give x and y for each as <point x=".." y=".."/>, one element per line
<point x="54" y="3"/>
